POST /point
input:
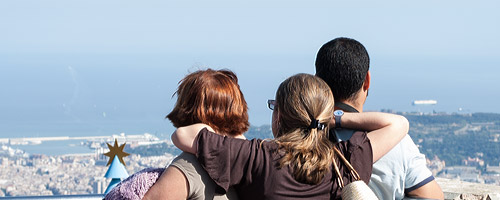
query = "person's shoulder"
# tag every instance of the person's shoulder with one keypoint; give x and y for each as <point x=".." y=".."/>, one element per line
<point x="408" y="144"/>
<point x="359" y="138"/>
<point x="184" y="158"/>
<point x="404" y="156"/>
<point x="269" y="143"/>
<point x="343" y="134"/>
<point x="405" y="150"/>
<point x="196" y="176"/>
<point x="188" y="164"/>
<point x="404" y="147"/>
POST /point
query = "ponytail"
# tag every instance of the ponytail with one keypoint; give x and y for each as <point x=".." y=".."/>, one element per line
<point x="305" y="106"/>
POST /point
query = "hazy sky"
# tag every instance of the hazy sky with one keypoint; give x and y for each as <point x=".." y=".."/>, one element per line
<point x="122" y="59"/>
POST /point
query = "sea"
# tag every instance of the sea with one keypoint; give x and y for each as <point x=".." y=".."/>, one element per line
<point x="160" y="128"/>
<point x="45" y="95"/>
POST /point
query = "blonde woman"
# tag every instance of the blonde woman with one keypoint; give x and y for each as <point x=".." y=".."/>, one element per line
<point x="297" y="164"/>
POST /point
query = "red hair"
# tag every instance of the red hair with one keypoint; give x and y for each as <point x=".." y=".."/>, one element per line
<point x="212" y="97"/>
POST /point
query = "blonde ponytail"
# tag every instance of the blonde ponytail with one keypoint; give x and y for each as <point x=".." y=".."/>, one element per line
<point x="305" y="107"/>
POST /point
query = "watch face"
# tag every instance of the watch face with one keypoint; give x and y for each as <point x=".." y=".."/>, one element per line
<point x="338" y="112"/>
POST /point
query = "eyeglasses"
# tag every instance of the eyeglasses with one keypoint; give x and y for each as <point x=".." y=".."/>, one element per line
<point x="271" y="104"/>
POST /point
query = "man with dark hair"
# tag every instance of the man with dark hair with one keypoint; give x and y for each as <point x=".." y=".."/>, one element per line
<point x="343" y="64"/>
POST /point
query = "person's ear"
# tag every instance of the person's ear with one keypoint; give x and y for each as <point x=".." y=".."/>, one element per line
<point x="366" y="84"/>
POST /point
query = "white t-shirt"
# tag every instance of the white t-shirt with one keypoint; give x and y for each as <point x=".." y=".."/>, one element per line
<point x="402" y="169"/>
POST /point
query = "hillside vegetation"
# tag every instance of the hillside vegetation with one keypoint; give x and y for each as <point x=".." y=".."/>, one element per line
<point x="450" y="137"/>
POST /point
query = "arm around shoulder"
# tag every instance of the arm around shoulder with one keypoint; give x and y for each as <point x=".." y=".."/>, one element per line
<point x="385" y="129"/>
<point x="184" y="137"/>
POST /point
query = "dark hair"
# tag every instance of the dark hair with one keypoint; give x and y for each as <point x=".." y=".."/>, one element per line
<point x="343" y="64"/>
<point x="212" y="97"/>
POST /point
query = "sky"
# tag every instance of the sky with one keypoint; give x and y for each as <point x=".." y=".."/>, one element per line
<point x="97" y="62"/>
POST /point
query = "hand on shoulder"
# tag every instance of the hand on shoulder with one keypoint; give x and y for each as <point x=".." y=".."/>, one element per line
<point x="184" y="137"/>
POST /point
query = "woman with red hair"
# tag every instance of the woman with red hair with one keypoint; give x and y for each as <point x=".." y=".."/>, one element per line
<point x="211" y="97"/>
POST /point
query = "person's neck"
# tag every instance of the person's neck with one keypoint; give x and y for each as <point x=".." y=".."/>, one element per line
<point x="358" y="101"/>
<point x="240" y="136"/>
<point x="357" y="106"/>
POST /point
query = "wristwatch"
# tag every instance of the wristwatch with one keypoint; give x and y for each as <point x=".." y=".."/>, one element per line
<point x="338" y="114"/>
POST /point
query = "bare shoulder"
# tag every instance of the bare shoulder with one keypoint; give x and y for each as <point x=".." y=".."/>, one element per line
<point x="171" y="182"/>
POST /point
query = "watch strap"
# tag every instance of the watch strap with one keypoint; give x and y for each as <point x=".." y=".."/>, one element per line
<point x="337" y="121"/>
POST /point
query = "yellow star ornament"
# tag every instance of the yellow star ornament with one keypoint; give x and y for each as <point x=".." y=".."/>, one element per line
<point x="116" y="151"/>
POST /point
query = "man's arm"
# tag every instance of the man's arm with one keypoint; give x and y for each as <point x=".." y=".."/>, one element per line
<point x="184" y="137"/>
<point x="431" y="190"/>
<point x="385" y="130"/>
<point x="418" y="176"/>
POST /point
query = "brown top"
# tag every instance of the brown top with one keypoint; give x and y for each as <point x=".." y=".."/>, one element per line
<point x="252" y="166"/>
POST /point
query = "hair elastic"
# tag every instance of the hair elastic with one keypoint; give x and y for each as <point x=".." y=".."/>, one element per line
<point x="315" y="124"/>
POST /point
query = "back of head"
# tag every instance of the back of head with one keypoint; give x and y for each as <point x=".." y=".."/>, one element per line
<point x="300" y="100"/>
<point x="343" y="64"/>
<point x="212" y="97"/>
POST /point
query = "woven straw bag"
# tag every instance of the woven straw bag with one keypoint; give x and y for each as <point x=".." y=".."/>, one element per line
<point x="356" y="189"/>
